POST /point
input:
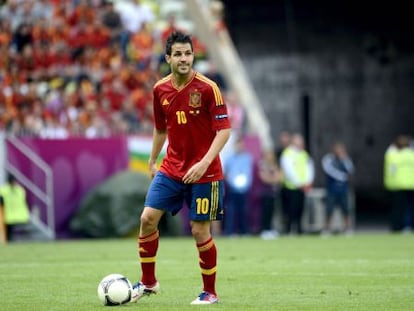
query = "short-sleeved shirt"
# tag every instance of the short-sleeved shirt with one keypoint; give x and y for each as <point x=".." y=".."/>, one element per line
<point x="191" y="115"/>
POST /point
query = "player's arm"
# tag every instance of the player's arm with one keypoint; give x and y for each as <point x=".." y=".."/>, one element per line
<point x="222" y="136"/>
<point x="158" y="140"/>
<point x="199" y="169"/>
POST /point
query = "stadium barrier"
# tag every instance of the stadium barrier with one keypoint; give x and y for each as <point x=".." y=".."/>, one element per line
<point x="77" y="165"/>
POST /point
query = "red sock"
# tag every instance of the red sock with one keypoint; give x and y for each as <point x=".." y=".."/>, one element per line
<point x="148" y="246"/>
<point x="208" y="263"/>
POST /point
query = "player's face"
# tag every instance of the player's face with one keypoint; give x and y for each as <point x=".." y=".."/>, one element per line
<point x="181" y="58"/>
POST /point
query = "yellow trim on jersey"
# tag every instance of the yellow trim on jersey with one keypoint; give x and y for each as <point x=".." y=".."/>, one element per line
<point x="208" y="271"/>
<point x="163" y="80"/>
<point x="214" y="200"/>
<point x="148" y="259"/>
<point x="217" y="94"/>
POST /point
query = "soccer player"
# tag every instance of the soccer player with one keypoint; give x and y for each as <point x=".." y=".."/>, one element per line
<point x="188" y="111"/>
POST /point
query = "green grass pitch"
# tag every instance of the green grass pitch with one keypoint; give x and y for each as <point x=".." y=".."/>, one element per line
<point x="362" y="272"/>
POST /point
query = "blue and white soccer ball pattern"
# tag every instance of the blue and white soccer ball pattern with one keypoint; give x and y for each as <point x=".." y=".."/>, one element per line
<point x="114" y="289"/>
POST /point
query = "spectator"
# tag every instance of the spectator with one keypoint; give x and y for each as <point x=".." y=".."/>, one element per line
<point x="133" y="15"/>
<point x="399" y="181"/>
<point x="42" y="9"/>
<point x="338" y="168"/>
<point x="53" y="129"/>
<point x="238" y="171"/>
<point x="82" y="13"/>
<point x="74" y="48"/>
<point x="284" y="142"/>
<point x="269" y="176"/>
<point x="14" y="205"/>
<point x="141" y="47"/>
<point x="5" y="38"/>
<point x="130" y="115"/>
<point x="22" y="37"/>
<point x="298" y="174"/>
<point x="10" y="11"/>
<point x="111" y="19"/>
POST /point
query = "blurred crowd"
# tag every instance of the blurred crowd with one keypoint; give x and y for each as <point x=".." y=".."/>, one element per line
<point x="81" y="67"/>
<point x="286" y="178"/>
<point x="286" y="182"/>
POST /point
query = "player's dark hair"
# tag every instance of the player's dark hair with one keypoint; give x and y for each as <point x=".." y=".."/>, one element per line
<point x="177" y="37"/>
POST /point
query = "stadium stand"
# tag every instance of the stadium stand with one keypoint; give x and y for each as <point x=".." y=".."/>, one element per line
<point x="82" y="68"/>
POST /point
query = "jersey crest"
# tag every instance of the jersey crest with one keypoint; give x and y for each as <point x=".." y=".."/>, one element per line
<point x="195" y="99"/>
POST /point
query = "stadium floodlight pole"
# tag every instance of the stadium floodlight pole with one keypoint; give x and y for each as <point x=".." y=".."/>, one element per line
<point x="223" y="53"/>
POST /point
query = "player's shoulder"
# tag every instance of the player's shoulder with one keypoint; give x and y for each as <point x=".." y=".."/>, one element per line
<point x="203" y="79"/>
<point x="210" y="87"/>
<point x="162" y="81"/>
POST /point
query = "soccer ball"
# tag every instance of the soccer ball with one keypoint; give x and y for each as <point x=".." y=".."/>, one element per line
<point x="114" y="289"/>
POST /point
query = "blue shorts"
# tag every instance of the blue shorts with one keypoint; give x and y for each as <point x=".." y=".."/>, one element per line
<point x="205" y="201"/>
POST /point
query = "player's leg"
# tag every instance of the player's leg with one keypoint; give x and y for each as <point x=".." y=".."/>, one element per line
<point x="147" y="249"/>
<point x="207" y="253"/>
<point x="206" y="205"/>
<point x="164" y="195"/>
<point x="148" y="243"/>
<point x="150" y="219"/>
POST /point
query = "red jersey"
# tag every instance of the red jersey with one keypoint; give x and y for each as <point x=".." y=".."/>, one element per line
<point x="191" y="116"/>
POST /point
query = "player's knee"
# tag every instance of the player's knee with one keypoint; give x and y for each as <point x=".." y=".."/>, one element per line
<point x="195" y="231"/>
<point x="148" y="221"/>
<point x="200" y="232"/>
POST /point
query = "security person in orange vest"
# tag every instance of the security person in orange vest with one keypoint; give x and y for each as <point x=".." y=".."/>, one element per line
<point x="13" y="205"/>
<point x="298" y="174"/>
<point x="399" y="181"/>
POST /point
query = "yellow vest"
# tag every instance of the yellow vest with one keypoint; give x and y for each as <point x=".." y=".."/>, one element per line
<point x="15" y="206"/>
<point x="300" y="159"/>
<point x="399" y="169"/>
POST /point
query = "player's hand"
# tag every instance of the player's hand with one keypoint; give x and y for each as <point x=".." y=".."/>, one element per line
<point x="153" y="169"/>
<point x="195" y="173"/>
